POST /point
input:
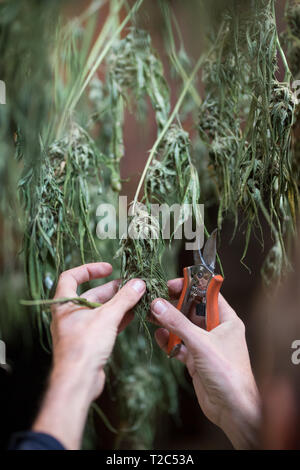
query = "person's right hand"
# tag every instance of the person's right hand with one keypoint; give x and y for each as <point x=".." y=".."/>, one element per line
<point x="219" y="364"/>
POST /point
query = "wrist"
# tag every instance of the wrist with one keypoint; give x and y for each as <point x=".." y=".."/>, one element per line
<point x="80" y="368"/>
<point x="241" y="421"/>
<point x="73" y="380"/>
<point x="65" y="405"/>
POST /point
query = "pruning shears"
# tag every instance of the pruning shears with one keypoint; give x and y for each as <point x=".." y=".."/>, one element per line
<point x="201" y="288"/>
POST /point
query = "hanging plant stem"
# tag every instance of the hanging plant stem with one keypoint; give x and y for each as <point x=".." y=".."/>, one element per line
<point x="93" y="65"/>
<point x="64" y="300"/>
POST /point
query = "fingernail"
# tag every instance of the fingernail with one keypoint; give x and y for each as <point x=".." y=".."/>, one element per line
<point x="138" y="286"/>
<point x="159" y="307"/>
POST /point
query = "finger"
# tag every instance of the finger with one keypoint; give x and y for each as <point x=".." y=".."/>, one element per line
<point x="70" y="280"/>
<point x="152" y="319"/>
<point x="162" y="338"/>
<point x="197" y="319"/>
<point x="102" y="293"/>
<point x="226" y="312"/>
<point x="175" y="287"/>
<point x="124" y="300"/>
<point x="176" y="322"/>
<point x="128" y="317"/>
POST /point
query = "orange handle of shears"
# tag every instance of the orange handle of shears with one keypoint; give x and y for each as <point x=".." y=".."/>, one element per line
<point x="212" y="306"/>
<point x="212" y="310"/>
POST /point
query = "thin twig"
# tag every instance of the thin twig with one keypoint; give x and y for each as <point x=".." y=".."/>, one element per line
<point x="75" y="97"/>
<point x="167" y="125"/>
<point x="61" y="301"/>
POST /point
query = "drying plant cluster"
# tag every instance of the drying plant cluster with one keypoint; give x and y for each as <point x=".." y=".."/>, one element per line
<point x="65" y="123"/>
<point x="246" y="124"/>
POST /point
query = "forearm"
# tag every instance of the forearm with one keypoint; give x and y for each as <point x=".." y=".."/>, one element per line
<point x="241" y="423"/>
<point x="65" y="406"/>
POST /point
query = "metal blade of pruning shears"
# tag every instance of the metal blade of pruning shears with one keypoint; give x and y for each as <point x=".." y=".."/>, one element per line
<point x="209" y="252"/>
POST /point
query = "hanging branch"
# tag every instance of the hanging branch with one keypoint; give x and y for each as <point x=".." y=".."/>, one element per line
<point x="246" y="124"/>
<point x="94" y="62"/>
<point x="166" y="126"/>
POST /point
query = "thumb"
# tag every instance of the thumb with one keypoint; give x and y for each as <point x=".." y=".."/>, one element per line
<point x="124" y="300"/>
<point x="172" y="319"/>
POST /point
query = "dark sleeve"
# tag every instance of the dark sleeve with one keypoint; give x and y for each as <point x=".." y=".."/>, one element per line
<point x="30" y="440"/>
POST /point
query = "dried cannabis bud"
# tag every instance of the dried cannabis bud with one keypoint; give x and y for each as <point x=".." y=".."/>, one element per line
<point x="141" y="256"/>
<point x="58" y="206"/>
<point x="134" y="66"/>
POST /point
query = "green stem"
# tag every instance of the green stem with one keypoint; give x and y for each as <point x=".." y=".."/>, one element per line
<point x="105" y="51"/>
<point x="173" y="54"/>
<point x="92" y="57"/>
<point x="75" y="96"/>
<point x="110" y="24"/>
<point x="47" y="302"/>
<point x="285" y="64"/>
<point x="167" y="125"/>
<point x="90" y="10"/>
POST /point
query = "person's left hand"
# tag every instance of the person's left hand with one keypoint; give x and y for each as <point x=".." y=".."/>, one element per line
<point x="83" y="338"/>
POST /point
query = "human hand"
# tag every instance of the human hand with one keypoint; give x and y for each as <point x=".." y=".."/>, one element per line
<point x="219" y="364"/>
<point x="83" y="340"/>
